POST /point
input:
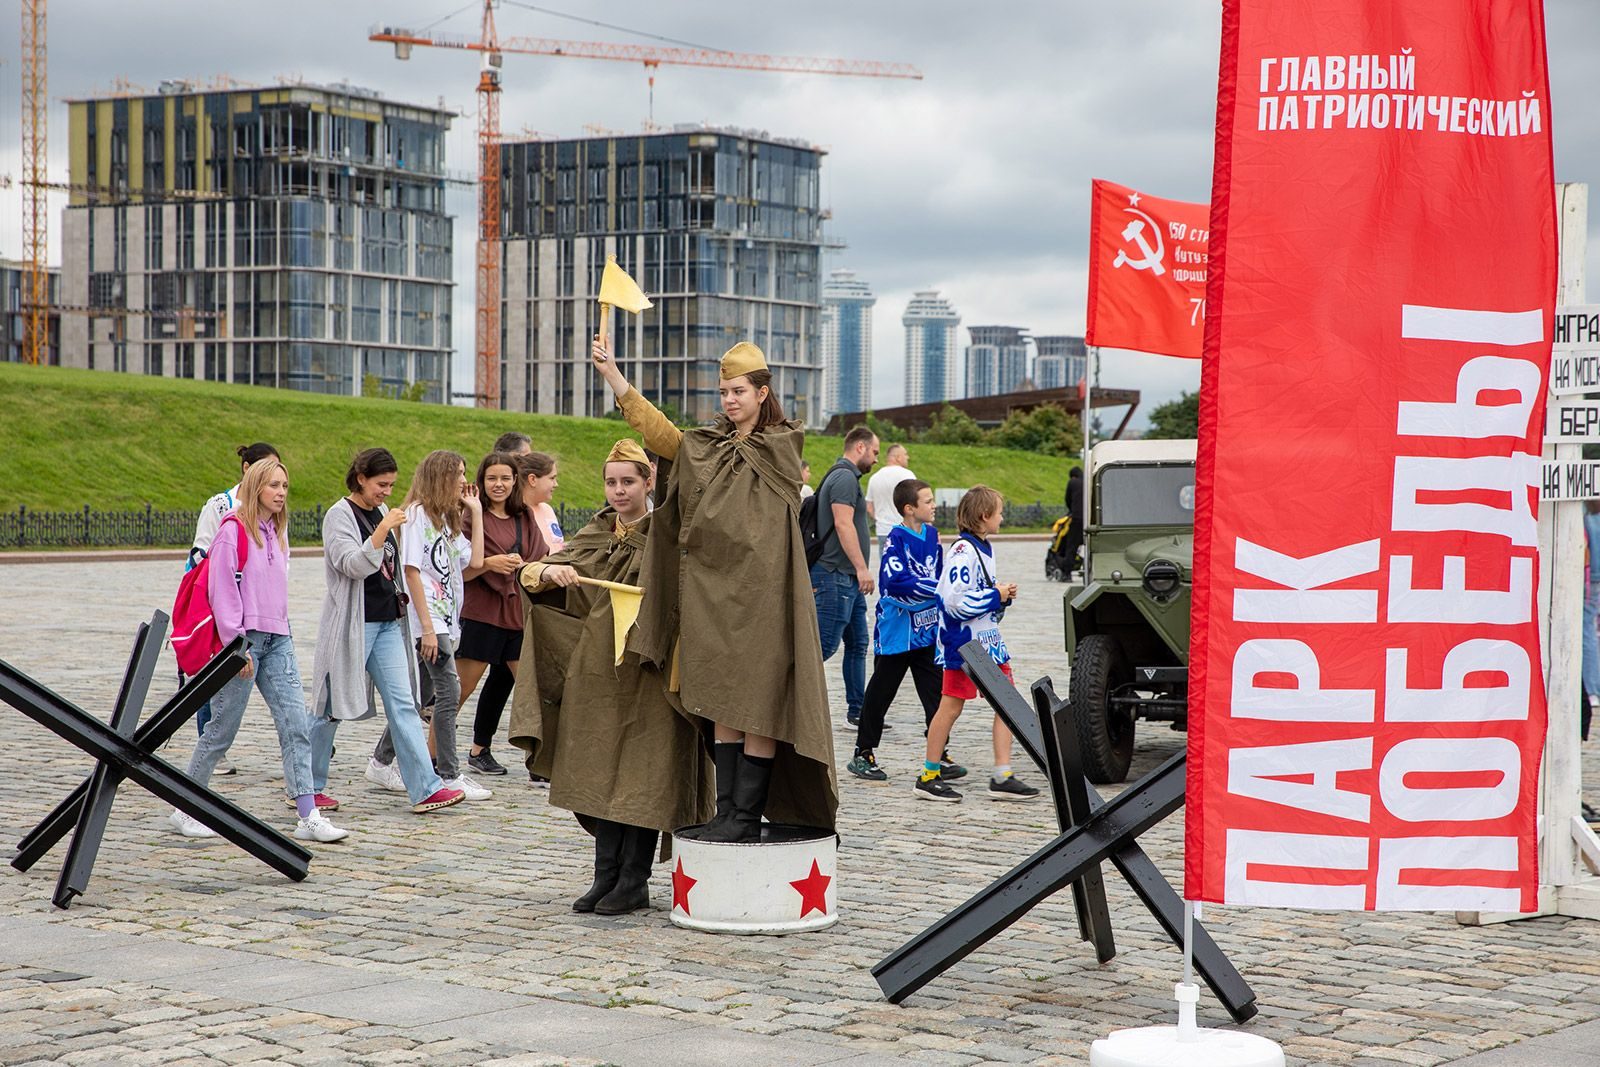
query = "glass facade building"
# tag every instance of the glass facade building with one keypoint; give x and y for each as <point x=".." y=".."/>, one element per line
<point x="1059" y="361"/>
<point x="997" y="360"/>
<point x="13" y="319"/>
<point x="293" y="237"/>
<point x="933" y="353"/>
<point x="846" y="343"/>
<point x="721" y="229"/>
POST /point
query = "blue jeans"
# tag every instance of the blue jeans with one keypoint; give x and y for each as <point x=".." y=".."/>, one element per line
<point x="842" y="612"/>
<point x="386" y="663"/>
<point x="1591" y="653"/>
<point x="440" y="682"/>
<point x="277" y="675"/>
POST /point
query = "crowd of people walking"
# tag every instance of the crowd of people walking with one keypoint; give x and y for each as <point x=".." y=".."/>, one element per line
<point x="470" y="586"/>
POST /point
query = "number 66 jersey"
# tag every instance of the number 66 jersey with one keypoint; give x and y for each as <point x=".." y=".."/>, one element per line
<point x="971" y="603"/>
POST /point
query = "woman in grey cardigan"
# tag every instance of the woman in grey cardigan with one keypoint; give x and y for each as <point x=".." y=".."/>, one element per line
<point x="364" y="638"/>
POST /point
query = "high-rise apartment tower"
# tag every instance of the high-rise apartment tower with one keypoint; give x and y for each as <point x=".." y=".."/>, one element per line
<point x="1059" y="362"/>
<point x="846" y="343"/>
<point x="933" y="353"/>
<point x="997" y="360"/>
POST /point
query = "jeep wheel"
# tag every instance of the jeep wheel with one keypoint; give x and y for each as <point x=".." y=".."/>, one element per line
<point x="1105" y="734"/>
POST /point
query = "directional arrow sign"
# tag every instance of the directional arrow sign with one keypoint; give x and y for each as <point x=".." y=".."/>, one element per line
<point x="1574" y="423"/>
<point x="1575" y="355"/>
<point x="1572" y="479"/>
<point x="1577" y="326"/>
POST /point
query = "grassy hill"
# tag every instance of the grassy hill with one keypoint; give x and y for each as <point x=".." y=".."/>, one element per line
<point x="69" y="438"/>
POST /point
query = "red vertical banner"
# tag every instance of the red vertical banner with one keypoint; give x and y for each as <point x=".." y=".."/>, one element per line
<point x="1367" y="707"/>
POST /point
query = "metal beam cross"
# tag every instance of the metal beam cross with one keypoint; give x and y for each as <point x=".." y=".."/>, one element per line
<point x="123" y="752"/>
<point x="1092" y="831"/>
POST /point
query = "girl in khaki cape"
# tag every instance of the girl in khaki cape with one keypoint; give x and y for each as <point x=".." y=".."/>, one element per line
<point x="728" y="610"/>
<point x="598" y="725"/>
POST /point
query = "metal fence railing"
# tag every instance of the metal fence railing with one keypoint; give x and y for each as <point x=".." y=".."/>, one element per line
<point x="149" y="527"/>
<point x="90" y="528"/>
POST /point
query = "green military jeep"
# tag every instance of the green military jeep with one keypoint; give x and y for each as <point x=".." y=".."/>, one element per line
<point x="1128" y="616"/>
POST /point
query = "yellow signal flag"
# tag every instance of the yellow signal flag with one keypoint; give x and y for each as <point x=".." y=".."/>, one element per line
<point x="625" y="603"/>
<point x="618" y="290"/>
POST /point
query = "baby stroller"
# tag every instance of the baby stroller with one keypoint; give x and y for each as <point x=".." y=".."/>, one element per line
<point x="1061" y="558"/>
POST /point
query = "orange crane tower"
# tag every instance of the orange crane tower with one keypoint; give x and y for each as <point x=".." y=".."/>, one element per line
<point x="492" y="49"/>
<point x="35" y="166"/>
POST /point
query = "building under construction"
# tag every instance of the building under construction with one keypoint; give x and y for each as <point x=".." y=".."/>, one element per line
<point x="13" y="325"/>
<point x="293" y="236"/>
<point x="720" y="227"/>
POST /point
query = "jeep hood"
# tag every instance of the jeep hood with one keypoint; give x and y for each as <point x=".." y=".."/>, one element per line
<point x="1178" y="548"/>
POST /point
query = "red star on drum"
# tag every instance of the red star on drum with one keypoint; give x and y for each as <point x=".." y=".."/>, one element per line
<point x="681" y="884"/>
<point x="813" y="890"/>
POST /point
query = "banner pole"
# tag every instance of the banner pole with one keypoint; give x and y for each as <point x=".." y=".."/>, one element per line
<point x="1188" y="942"/>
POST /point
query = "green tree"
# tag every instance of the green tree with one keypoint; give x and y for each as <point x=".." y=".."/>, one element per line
<point x="952" y="426"/>
<point x="1047" y="430"/>
<point x="666" y="407"/>
<point x="372" y="385"/>
<point x="415" y="391"/>
<point x="1177" y="419"/>
<point x="888" y="433"/>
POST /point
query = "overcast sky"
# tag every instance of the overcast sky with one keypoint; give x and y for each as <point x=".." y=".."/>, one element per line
<point x="974" y="181"/>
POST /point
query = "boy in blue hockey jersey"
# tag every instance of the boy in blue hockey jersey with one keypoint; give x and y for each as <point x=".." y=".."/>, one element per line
<point x="972" y="602"/>
<point x="906" y="631"/>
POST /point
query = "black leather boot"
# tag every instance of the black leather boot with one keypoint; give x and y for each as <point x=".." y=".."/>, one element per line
<point x="608" y="838"/>
<point x="632" y="891"/>
<point x="728" y="755"/>
<point x="749" y="803"/>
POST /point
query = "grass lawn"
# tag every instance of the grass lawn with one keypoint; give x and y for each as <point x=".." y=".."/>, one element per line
<point x="70" y="438"/>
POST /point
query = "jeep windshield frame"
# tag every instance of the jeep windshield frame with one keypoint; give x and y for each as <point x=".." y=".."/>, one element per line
<point x="1144" y="494"/>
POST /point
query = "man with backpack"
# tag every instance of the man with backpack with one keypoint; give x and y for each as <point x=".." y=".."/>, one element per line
<point x="841" y="578"/>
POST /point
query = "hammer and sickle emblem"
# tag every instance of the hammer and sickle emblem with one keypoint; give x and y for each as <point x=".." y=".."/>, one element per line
<point x="1150" y="258"/>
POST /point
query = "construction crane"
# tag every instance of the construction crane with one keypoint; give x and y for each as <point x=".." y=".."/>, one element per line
<point x="114" y="194"/>
<point x="35" y="161"/>
<point x="492" y="49"/>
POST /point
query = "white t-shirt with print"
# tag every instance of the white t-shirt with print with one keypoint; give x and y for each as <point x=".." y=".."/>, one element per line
<point x="880" y="491"/>
<point x="439" y="561"/>
<point x="205" y="528"/>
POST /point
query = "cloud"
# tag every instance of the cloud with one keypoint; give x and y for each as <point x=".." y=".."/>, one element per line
<point x="974" y="180"/>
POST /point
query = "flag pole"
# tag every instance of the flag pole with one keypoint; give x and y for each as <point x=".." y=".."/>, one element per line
<point x="1090" y="363"/>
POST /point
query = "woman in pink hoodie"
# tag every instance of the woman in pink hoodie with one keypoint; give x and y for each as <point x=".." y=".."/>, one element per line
<point x="252" y="599"/>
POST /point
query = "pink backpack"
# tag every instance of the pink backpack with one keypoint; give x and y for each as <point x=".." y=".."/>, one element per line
<point x="194" y="631"/>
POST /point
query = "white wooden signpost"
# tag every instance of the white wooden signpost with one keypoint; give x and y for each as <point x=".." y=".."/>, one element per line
<point x="1569" y="853"/>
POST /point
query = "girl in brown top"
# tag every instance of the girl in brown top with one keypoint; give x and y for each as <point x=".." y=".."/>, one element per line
<point x="491" y="616"/>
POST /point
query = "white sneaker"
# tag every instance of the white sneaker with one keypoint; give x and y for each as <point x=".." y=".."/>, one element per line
<point x="385" y="776"/>
<point x="316" y="828"/>
<point x="189" y="827"/>
<point x="473" y="790"/>
<point x="224" y="767"/>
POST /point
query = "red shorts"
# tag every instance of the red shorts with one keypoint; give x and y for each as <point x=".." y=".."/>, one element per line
<point x="958" y="685"/>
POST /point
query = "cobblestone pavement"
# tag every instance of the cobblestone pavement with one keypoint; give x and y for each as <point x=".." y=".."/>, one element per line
<point x="450" y="938"/>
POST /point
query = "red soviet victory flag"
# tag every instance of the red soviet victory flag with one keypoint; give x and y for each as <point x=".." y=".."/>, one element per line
<point x="1366" y="706"/>
<point x="1147" y="272"/>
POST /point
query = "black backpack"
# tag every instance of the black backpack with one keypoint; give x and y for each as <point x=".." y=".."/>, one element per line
<point x="810" y="526"/>
<point x="808" y="530"/>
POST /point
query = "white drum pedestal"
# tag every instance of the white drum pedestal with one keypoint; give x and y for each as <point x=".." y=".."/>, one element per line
<point x="1184" y="1045"/>
<point x="782" y="884"/>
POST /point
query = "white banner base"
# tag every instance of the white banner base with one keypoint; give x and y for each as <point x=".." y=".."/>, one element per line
<point x="1184" y="1045"/>
<point x="1162" y="1046"/>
